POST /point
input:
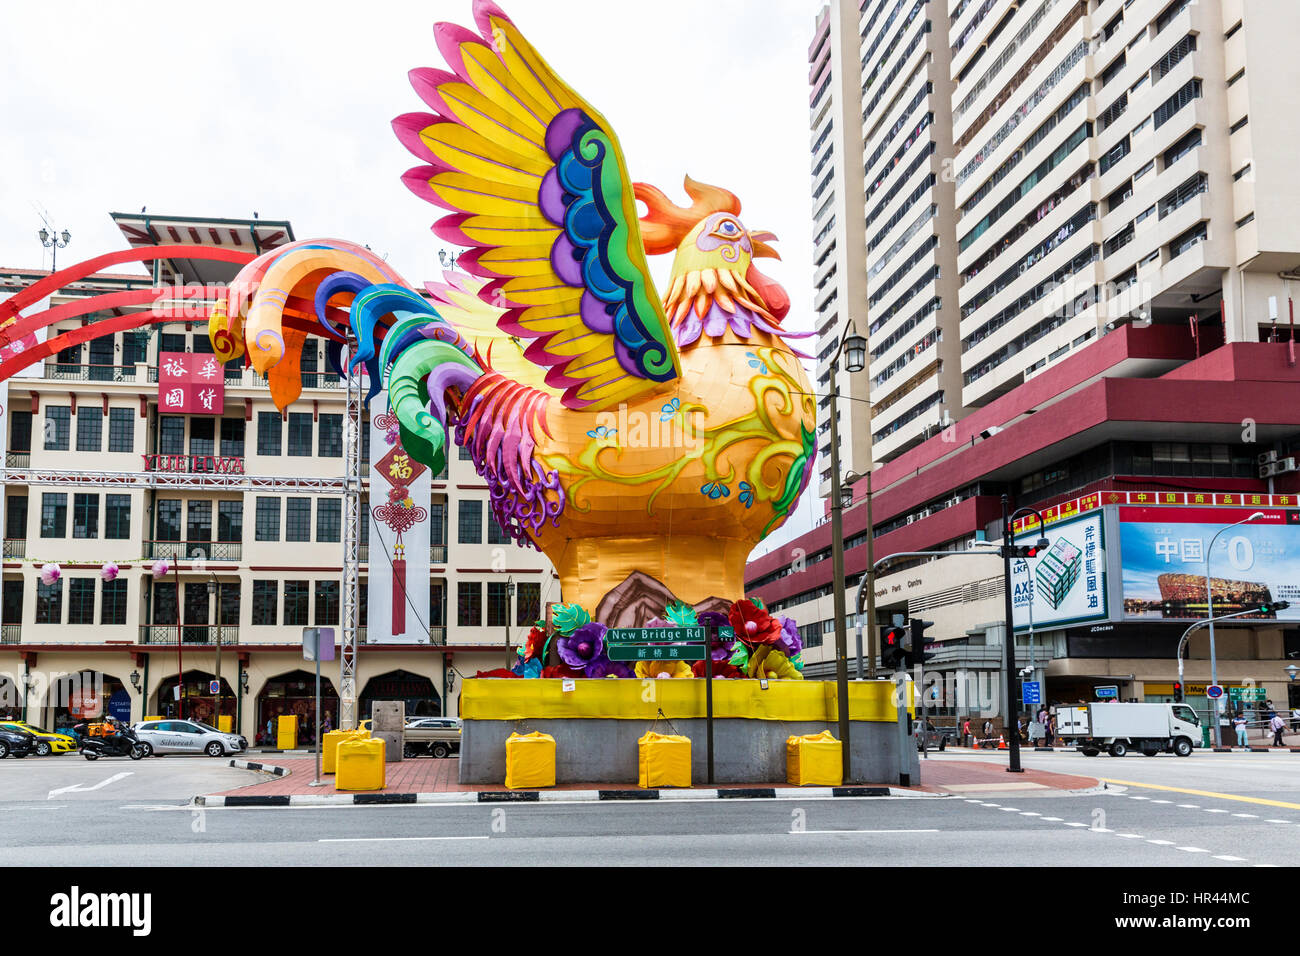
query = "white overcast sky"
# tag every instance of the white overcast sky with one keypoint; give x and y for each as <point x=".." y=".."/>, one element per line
<point x="225" y="108"/>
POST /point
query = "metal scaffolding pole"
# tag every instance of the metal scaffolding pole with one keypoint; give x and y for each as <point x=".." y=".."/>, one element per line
<point x="351" y="543"/>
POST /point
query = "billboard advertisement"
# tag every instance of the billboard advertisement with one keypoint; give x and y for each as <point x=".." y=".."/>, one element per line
<point x="1164" y="554"/>
<point x="1066" y="582"/>
<point x="191" y="383"/>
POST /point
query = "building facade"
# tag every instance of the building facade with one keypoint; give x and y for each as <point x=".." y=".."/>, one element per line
<point x="244" y="504"/>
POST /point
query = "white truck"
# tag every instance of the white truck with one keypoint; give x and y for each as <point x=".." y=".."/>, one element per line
<point x="1119" y="728"/>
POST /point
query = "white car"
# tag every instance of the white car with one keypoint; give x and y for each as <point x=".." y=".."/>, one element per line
<point x="187" y="737"/>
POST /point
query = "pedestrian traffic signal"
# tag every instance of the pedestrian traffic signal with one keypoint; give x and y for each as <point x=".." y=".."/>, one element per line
<point x="1178" y="692"/>
<point x="891" y="647"/>
<point x="1274" y="607"/>
<point x="1025" y="550"/>
<point x="914" y="643"/>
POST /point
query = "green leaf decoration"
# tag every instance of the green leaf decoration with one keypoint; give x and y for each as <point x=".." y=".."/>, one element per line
<point x="569" y="617"/>
<point x="681" y="615"/>
<point x="740" y="656"/>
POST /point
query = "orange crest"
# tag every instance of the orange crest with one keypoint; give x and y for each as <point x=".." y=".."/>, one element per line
<point x="666" y="224"/>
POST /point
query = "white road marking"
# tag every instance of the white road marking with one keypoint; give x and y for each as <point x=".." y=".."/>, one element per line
<point x="78" y="788"/>
<point x="1029" y="813"/>
<point x="1277" y="821"/>
<point x="1131" y="797"/>
<point x="396" y="839"/>
<point x="1162" y="842"/>
<point x="1162" y="801"/>
<point x="799" y="832"/>
<point x="1232" y="859"/>
<point x="1052" y="819"/>
<point x="1068" y="824"/>
<point x="1189" y="806"/>
<point x="1192" y="849"/>
<point x="1252" y="816"/>
<point x="1129" y="836"/>
<point x="1213" y="810"/>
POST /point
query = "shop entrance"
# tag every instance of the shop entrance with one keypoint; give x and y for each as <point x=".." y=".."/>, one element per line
<point x="294" y="693"/>
<point x="200" y="702"/>
<point x="78" y="697"/>
<point x="422" y="699"/>
<point x="11" y="701"/>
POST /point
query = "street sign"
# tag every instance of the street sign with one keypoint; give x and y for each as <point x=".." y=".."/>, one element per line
<point x="1248" y="695"/>
<point x="1031" y="692"/>
<point x="318" y="643"/>
<point x="656" y="652"/>
<point x="1108" y="692"/>
<point x="1214" y="691"/>
<point x="697" y="634"/>
<point x="214" y="687"/>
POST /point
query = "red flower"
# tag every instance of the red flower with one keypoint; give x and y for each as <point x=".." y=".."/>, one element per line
<point x="754" y="626"/>
<point x="720" y="669"/>
<point x="536" y="641"/>
<point x="561" y="670"/>
<point x="499" y="672"/>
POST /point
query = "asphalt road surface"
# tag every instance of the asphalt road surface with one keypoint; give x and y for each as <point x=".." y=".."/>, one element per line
<point x="1245" y="811"/>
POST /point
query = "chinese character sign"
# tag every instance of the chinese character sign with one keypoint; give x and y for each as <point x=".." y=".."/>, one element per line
<point x="190" y="384"/>
<point x="397" y="609"/>
<point x="1064" y="583"/>
<point x="1165" y="552"/>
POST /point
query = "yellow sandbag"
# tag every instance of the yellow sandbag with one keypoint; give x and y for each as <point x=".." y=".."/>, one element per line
<point x="814" y="760"/>
<point x="360" y="764"/>
<point x="530" y="761"/>
<point x="664" y="760"/>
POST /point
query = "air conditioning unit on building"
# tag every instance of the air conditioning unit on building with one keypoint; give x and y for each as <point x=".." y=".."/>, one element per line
<point x="1266" y="457"/>
<point x="1284" y="465"/>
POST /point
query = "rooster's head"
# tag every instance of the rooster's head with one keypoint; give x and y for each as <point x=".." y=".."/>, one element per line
<point x="714" y="283"/>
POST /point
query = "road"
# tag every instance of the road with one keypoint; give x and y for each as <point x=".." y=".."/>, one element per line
<point x="1247" y="814"/>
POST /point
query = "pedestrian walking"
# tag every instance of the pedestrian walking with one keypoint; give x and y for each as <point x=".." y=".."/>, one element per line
<point x="1277" y="725"/>
<point x="1295" y="719"/>
<point x="987" y="734"/>
<point x="965" y="733"/>
<point x="1240" y="723"/>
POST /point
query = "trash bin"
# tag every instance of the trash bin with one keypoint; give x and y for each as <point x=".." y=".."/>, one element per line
<point x="360" y="764"/>
<point x="814" y="760"/>
<point x="530" y="761"/>
<point x="286" y="732"/>
<point x="329" y="746"/>
<point x="663" y="760"/>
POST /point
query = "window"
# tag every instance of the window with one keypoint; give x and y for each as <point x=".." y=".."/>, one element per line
<point x="58" y="427"/>
<point x="171" y="435"/>
<point x="135" y="347"/>
<point x="498" y="607"/>
<point x="464" y="454"/>
<point x="20" y="431"/>
<point x="117" y="517"/>
<point x="265" y="601"/>
<point x="269" y="433"/>
<point x="496" y="534"/>
<point x="296" y="594"/>
<point x="202" y="436"/>
<point x="267" y="522"/>
<point x="121" y="430"/>
<point x="438" y="604"/>
<point x="327" y="604"/>
<point x="1144" y="215"/>
<point x="469" y="604"/>
<point x="300" y="434"/>
<point x="54" y="515"/>
<point x="90" y="428"/>
<point x="230" y="521"/>
<point x="85" y="516"/>
<point x="228" y="606"/>
<point x="11" y="609"/>
<point x="1118" y="197"/>
<point x="164" y="603"/>
<point x="1113" y="70"/>
<point x="1246" y="220"/>
<point x="528" y="606"/>
<point x="49" y="602"/>
<point x="81" y="600"/>
<point x="1166" y="110"/>
<point x="199" y="526"/>
<point x="470" y="522"/>
<point x="232" y="437"/>
<point x="173" y="342"/>
<point x="437" y="523"/>
<point x="1240" y="124"/>
<point x="112" y="606"/>
<point x="331" y="437"/>
<point x="16" y="516"/>
<point x="297" y="520"/>
<point x="329" y="512"/>
<point x="169" y="520"/>
<point x="1150" y="165"/>
<point x="1242" y="173"/>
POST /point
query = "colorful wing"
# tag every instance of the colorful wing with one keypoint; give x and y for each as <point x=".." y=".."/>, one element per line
<point x="542" y="198"/>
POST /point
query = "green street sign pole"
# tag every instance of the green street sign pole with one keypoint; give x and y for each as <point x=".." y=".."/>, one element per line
<point x="708" y="695"/>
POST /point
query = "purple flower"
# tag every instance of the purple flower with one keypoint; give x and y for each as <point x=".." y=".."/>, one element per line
<point x="720" y="649"/>
<point x="607" y="668"/>
<point x="584" y="646"/>
<point x="789" y="643"/>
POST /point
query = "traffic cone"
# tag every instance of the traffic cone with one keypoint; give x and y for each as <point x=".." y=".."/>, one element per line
<point x="1002" y="742"/>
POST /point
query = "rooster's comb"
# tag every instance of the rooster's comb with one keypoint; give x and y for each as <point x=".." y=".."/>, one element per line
<point x="665" y="223"/>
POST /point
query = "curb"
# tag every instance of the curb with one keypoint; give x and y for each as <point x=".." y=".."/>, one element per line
<point x="545" y="796"/>
<point x="263" y="767"/>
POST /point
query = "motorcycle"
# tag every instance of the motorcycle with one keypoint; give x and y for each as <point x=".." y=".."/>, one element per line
<point x="124" y="743"/>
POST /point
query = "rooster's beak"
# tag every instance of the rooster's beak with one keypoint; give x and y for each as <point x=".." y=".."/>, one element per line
<point x="761" y="248"/>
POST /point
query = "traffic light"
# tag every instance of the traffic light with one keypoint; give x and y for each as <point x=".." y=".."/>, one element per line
<point x="891" y="647"/>
<point x="1274" y="607"/>
<point x="1178" y="692"/>
<point x="1025" y="550"/>
<point x="914" y="643"/>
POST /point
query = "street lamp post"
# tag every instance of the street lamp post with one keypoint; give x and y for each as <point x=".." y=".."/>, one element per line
<point x="510" y="600"/>
<point x="1209" y="613"/>
<point x="214" y="615"/>
<point x="54" y="242"/>
<point x="854" y="348"/>
<point x="869" y="579"/>
<point x="1012" y="676"/>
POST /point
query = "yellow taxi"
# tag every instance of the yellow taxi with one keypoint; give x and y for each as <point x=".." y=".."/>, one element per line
<point x="46" y="742"/>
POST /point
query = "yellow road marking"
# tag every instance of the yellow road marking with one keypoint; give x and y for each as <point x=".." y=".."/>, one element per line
<point x="1206" y="793"/>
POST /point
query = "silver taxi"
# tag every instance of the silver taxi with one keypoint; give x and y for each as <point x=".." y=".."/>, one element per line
<point x="187" y="737"/>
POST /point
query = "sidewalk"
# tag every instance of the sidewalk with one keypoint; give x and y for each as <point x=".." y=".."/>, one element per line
<point x="433" y="780"/>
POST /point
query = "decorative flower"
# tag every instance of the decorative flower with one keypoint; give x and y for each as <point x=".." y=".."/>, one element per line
<point x="499" y="672"/>
<point x="756" y="362"/>
<point x="754" y="626"/>
<point x="670" y="409"/>
<point x="663" y="669"/>
<point x="534" y="645"/>
<point x="109" y="571"/>
<point x="772" y="664"/>
<point x="746" y="494"/>
<point x="721" y="647"/>
<point x="569" y="617"/>
<point x="789" y="643"/>
<point x="608" y="668"/>
<point x="681" y="615"/>
<point x="50" y="573"/>
<point x="561" y="670"/>
<point x="739" y="656"/>
<point x="723" y="670"/>
<point x="715" y="489"/>
<point x="162" y="568"/>
<point x="584" y="646"/>
<point x="529" y="668"/>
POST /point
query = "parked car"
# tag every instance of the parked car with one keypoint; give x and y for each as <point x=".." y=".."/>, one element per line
<point x="46" y="742"/>
<point x="19" y="743"/>
<point x="935" y="738"/>
<point x="439" y="736"/>
<point x="187" y="737"/>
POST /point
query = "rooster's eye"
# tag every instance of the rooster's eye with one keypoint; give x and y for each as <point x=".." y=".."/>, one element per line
<point x="727" y="229"/>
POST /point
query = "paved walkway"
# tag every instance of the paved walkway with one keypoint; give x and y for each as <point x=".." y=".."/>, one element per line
<point x="434" y="775"/>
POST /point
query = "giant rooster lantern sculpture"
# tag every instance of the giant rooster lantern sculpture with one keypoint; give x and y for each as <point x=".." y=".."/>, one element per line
<point x="644" y="442"/>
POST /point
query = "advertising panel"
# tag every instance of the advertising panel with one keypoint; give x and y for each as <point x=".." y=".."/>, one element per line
<point x="1066" y="582"/>
<point x="191" y="383"/>
<point x="1164" y="562"/>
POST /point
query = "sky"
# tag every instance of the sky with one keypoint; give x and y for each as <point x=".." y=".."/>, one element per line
<point x="230" y="108"/>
